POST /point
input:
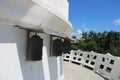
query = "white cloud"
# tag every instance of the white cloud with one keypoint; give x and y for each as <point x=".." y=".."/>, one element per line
<point x="79" y="34"/>
<point x="79" y="31"/>
<point x="117" y="22"/>
<point x="84" y="25"/>
<point x="86" y="29"/>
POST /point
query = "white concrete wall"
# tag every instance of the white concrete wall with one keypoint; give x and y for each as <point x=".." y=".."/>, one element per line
<point x="115" y="69"/>
<point x="13" y="64"/>
<point x="108" y="67"/>
<point x="47" y="15"/>
<point x="60" y="6"/>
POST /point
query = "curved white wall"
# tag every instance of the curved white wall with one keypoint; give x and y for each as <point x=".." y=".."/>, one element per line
<point x="59" y="6"/>
<point x="46" y="15"/>
<point x="13" y="64"/>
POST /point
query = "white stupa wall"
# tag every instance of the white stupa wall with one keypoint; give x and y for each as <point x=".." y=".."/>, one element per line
<point x="13" y="64"/>
<point x="61" y="6"/>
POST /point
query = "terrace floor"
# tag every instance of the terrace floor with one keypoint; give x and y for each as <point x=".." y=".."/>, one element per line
<point x="76" y="72"/>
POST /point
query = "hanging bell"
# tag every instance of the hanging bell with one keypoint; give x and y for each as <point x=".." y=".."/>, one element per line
<point x="57" y="47"/>
<point x="35" y="44"/>
<point x="66" y="46"/>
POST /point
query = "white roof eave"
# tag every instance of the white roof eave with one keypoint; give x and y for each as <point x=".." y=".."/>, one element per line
<point x="34" y="16"/>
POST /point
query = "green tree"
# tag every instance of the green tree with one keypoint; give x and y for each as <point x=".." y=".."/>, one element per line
<point x="81" y="44"/>
<point x="102" y="42"/>
<point x="74" y="47"/>
<point x="91" y="46"/>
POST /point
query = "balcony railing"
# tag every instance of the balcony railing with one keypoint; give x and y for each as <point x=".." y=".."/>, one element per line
<point x="104" y="64"/>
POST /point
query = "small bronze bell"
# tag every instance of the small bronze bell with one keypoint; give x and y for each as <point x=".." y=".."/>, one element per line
<point x="35" y="44"/>
<point x="66" y="46"/>
<point x="57" y="47"/>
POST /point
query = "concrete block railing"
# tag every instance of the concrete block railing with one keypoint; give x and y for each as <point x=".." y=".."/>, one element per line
<point x="104" y="64"/>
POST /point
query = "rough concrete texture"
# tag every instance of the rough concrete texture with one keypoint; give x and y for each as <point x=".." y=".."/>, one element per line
<point x="76" y="72"/>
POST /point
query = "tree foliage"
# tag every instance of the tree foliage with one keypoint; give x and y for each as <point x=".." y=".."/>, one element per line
<point x="102" y="42"/>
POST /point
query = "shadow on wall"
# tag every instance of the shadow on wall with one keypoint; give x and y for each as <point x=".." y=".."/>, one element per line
<point x="13" y="57"/>
<point x="57" y="62"/>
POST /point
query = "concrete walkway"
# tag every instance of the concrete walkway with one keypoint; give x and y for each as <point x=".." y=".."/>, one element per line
<point x="76" y="72"/>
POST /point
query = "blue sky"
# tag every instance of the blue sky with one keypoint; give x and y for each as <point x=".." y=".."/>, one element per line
<point x="96" y="15"/>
